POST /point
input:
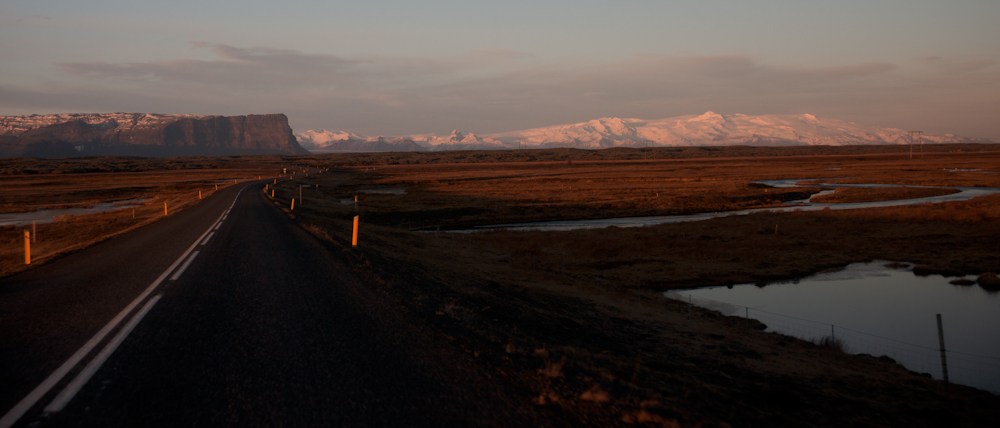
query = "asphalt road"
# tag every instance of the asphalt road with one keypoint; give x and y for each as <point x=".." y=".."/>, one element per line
<point x="265" y="326"/>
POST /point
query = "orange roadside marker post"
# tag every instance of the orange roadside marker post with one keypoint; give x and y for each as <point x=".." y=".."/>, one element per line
<point x="293" y="205"/>
<point x="164" y="208"/>
<point x="27" y="248"/>
<point x="354" y="239"/>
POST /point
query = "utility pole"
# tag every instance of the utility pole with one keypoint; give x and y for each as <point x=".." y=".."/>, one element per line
<point x="914" y="135"/>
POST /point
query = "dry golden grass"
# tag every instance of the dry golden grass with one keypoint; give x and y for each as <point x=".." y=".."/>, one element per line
<point x="460" y="195"/>
<point x="947" y="238"/>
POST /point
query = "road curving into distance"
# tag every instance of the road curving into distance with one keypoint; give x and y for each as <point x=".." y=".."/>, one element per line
<point x="228" y="313"/>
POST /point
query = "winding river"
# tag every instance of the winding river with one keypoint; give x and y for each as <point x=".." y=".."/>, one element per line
<point x="963" y="194"/>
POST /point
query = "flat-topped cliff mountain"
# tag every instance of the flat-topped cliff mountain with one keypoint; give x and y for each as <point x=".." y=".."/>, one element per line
<point x="139" y="134"/>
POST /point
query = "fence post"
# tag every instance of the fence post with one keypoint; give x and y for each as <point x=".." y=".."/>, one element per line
<point x="944" y="361"/>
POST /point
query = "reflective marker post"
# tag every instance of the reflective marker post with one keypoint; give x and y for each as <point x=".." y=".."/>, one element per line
<point x="354" y="239"/>
<point x="27" y="244"/>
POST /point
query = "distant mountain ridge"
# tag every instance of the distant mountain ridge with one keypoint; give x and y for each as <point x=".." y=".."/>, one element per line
<point x="708" y="129"/>
<point x="140" y="134"/>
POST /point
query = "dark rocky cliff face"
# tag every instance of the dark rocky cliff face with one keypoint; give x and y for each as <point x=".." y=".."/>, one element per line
<point x="127" y="134"/>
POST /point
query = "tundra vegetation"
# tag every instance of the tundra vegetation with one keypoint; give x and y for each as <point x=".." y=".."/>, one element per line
<point x="575" y="319"/>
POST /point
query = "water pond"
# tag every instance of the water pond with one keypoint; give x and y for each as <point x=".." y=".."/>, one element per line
<point x="47" y="216"/>
<point x="879" y="310"/>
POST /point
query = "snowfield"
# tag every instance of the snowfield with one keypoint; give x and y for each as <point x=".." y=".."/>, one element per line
<point x="708" y="129"/>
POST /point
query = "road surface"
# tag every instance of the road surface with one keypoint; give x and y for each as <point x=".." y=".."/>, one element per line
<point x="228" y="313"/>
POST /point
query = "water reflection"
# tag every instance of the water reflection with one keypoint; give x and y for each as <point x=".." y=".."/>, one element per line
<point x="47" y="216"/>
<point x="879" y="310"/>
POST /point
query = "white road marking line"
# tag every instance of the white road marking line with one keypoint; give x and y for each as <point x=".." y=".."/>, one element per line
<point x="218" y="225"/>
<point x="184" y="266"/>
<point x="43" y="388"/>
<point x="81" y="379"/>
<point x="224" y="217"/>
<point x="207" y="238"/>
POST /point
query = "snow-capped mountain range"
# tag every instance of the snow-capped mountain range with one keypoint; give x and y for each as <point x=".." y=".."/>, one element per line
<point x="709" y="129"/>
<point x="17" y="125"/>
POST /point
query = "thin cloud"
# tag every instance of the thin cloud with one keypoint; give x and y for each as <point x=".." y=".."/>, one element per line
<point x="501" y="54"/>
<point x="958" y="66"/>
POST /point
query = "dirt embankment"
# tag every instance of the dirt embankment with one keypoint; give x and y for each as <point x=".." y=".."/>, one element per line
<point x="533" y="309"/>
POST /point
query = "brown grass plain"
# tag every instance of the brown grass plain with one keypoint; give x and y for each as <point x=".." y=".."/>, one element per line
<point x="952" y="238"/>
<point x="562" y="314"/>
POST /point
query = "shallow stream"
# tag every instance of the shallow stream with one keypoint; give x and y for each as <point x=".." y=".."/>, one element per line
<point x="47" y="216"/>
<point x="963" y="194"/>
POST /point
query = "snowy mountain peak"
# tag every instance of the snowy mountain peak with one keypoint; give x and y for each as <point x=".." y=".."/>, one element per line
<point x="707" y="129"/>
<point x="316" y="139"/>
<point x="709" y="117"/>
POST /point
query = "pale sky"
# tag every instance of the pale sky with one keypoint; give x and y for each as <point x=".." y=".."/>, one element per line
<point x="409" y="67"/>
